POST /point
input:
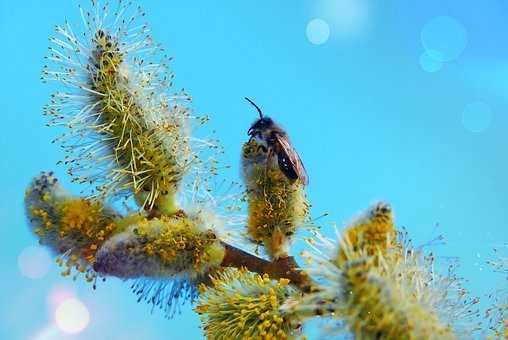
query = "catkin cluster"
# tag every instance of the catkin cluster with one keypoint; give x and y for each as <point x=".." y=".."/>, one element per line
<point x="128" y="137"/>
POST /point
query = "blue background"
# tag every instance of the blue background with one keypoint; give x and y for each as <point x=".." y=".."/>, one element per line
<point x="368" y="119"/>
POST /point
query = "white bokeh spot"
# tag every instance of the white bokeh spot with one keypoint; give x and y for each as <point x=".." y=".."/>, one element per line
<point x="72" y="316"/>
<point x="318" y="31"/>
<point x="347" y="19"/>
<point x="477" y="116"/>
<point x="34" y="262"/>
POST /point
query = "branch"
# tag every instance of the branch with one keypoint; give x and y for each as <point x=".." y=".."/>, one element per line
<point x="281" y="268"/>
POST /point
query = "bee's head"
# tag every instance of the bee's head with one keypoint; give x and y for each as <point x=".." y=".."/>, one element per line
<point x="261" y="124"/>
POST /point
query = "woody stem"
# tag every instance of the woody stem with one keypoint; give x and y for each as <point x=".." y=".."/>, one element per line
<point x="277" y="269"/>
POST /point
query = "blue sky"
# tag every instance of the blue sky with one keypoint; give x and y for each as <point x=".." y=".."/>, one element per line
<point x="403" y="102"/>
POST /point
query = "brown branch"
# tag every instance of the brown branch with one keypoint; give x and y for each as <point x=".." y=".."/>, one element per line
<point x="282" y="268"/>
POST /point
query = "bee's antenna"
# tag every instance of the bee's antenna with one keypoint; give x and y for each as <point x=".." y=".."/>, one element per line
<point x="257" y="107"/>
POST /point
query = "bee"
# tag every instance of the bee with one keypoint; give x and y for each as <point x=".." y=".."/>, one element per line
<point x="276" y="143"/>
<point x="275" y="178"/>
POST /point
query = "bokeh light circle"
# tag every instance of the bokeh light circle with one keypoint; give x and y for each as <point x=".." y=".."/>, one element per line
<point x="34" y="262"/>
<point x="444" y="38"/>
<point x="429" y="64"/>
<point x="318" y="31"/>
<point x="349" y="19"/>
<point x="477" y="116"/>
<point x="72" y="316"/>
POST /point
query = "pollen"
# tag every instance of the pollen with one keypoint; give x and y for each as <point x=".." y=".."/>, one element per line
<point x="73" y="227"/>
<point x="181" y="241"/>
<point x="175" y="246"/>
<point x="372" y="234"/>
<point x="243" y="305"/>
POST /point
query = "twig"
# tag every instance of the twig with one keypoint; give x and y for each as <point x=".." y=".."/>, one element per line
<point x="282" y="268"/>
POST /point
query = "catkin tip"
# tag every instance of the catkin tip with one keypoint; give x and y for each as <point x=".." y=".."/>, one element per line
<point x="72" y="227"/>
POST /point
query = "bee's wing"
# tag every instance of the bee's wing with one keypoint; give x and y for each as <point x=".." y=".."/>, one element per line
<point x="290" y="162"/>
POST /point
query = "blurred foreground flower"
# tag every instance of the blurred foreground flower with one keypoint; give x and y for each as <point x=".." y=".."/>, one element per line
<point x="243" y="305"/>
<point x="376" y="287"/>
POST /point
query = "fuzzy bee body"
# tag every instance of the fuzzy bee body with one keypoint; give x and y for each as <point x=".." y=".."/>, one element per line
<point x="277" y="144"/>
<point x="274" y="177"/>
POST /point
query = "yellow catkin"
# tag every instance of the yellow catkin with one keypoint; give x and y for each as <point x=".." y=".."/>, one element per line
<point x="125" y="132"/>
<point x="243" y="305"/>
<point x="75" y="228"/>
<point x="372" y="234"/>
<point x="181" y="241"/>
<point x="177" y="246"/>
<point x="378" y="287"/>
<point x="154" y="175"/>
<point x="378" y="307"/>
<point x="381" y="299"/>
<point x="277" y="205"/>
<point x="85" y="219"/>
